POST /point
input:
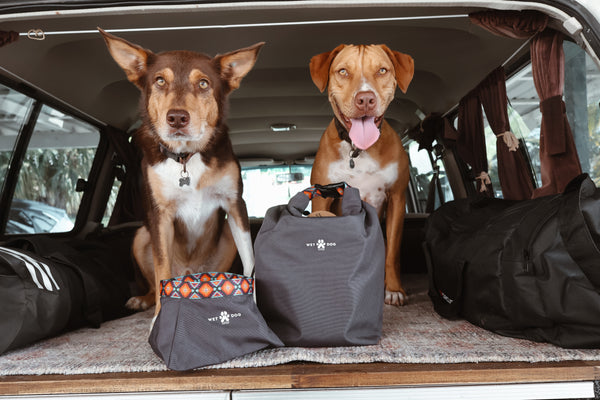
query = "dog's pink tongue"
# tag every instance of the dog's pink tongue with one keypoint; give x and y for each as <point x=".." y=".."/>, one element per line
<point x="363" y="132"/>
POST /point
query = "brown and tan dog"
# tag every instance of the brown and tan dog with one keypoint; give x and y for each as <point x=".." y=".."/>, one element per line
<point x="359" y="146"/>
<point x="191" y="176"/>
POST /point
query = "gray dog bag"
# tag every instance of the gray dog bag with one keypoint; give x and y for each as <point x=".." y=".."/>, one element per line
<point x="208" y="318"/>
<point x="320" y="281"/>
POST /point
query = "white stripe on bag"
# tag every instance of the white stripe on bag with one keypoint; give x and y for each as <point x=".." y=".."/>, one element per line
<point x="32" y="266"/>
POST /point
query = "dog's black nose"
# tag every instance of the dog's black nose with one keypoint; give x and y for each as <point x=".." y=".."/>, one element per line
<point x="178" y="118"/>
<point x="365" y="101"/>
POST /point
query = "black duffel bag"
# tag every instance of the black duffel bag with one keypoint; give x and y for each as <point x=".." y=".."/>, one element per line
<point x="528" y="269"/>
<point x="48" y="286"/>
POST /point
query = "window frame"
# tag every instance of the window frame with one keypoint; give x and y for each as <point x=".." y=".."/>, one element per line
<point x="22" y="141"/>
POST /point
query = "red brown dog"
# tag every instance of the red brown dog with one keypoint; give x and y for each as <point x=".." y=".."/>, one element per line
<point x="191" y="177"/>
<point x="359" y="146"/>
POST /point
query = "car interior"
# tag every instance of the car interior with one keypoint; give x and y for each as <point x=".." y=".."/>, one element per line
<point x="66" y="102"/>
<point x="68" y="168"/>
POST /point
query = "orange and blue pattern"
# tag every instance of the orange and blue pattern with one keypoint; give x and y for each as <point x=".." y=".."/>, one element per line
<point x="326" y="190"/>
<point x="207" y="285"/>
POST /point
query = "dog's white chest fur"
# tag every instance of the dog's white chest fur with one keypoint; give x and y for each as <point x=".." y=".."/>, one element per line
<point x="367" y="175"/>
<point x="195" y="204"/>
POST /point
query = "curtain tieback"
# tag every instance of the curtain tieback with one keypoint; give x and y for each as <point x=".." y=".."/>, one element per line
<point x="510" y="140"/>
<point x="485" y="180"/>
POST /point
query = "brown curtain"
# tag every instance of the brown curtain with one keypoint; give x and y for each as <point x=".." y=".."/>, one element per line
<point x="7" y="37"/>
<point x="558" y="155"/>
<point x="513" y="24"/>
<point x="515" y="179"/>
<point x="471" y="141"/>
<point x="450" y="135"/>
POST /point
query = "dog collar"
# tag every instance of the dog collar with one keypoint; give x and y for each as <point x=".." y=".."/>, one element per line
<point x="181" y="158"/>
<point x="342" y="131"/>
<point x="343" y="134"/>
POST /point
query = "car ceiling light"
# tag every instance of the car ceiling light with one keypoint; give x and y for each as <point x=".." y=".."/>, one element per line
<point x="282" y="127"/>
<point x="38" y="34"/>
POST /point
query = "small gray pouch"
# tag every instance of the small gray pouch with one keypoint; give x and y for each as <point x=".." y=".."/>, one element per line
<point x="208" y="318"/>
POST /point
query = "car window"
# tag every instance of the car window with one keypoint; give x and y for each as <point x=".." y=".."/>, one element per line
<point x="14" y="113"/>
<point x="60" y="152"/>
<point x="268" y="186"/>
<point x="422" y="171"/>
<point x="582" y="97"/>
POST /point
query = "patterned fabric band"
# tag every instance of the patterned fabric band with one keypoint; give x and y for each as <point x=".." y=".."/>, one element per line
<point x="207" y="285"/>
<point x="331" y="190"/>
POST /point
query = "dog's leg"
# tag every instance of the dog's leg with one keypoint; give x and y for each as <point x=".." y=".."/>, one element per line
<point x="162" y="248"/>
<point x="142" y="252"/>
<point x="240" y="229"/>
<point x="226" y="251"/>
<point x="394" y="222"/>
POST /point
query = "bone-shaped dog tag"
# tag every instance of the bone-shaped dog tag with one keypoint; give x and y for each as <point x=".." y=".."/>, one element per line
<point x="184" y="181"/>
<point x="185" y="178"/>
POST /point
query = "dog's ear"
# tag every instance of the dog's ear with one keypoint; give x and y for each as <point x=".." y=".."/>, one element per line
<point x="319" y="67"/>
<point x="131" y="57"/>
<point x="404" y="67"/>
<point x="236" y="64"/>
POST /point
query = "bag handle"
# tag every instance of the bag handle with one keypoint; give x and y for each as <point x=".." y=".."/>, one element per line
<point x="574" y="230"/>
<point x="351" y="203"/>
<point x="333" y="190"/>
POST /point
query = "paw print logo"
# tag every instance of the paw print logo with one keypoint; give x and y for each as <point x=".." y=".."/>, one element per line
<point x="224" y="317"/>
<point x="320" y="245"/>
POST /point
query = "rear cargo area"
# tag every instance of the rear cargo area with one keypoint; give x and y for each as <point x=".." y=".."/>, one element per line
<point x="418" y="347"/>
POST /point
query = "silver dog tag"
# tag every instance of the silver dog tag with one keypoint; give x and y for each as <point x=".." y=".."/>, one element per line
<point x="185" y="178"/>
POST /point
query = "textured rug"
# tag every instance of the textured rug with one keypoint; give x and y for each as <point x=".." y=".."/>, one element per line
<point x="411" y="334"/>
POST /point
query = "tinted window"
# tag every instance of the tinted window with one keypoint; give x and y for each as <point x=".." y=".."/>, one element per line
<point x="267" y="186"/>
<point x="14" y="113"/>
<point x="422" y="172"/>
<point x="60" y="151"/>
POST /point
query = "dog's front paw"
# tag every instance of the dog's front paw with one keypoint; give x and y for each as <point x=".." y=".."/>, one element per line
<point x="396" y="298"/>
<point x="140" y="303"/>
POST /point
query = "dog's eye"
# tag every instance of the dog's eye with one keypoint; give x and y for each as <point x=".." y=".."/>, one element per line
<point x="343" y="72"/>
<point x="383" y="71"/>
<point x="160" y="81"/>
<point x="203" y="84"/>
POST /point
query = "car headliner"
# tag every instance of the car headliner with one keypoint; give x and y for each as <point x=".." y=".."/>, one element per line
<point x="72" y="64"/>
